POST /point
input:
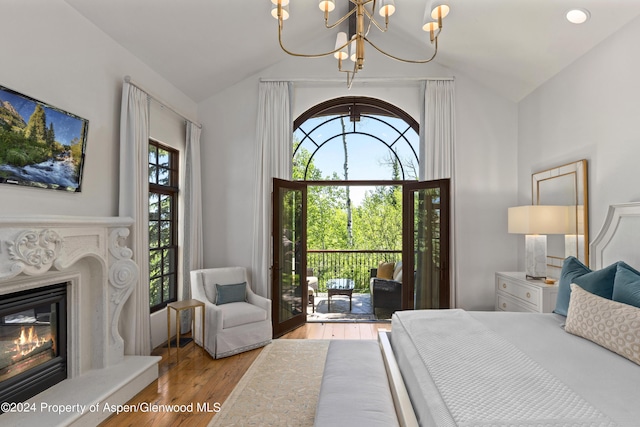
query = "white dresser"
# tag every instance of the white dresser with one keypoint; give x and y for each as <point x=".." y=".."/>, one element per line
<point x="514" y="292"/>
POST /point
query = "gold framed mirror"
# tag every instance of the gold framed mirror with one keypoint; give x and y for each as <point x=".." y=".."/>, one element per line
<point x="565" y="185"/>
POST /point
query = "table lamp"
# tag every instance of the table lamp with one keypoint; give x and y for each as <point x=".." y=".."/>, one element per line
<point x="535" y="222"/>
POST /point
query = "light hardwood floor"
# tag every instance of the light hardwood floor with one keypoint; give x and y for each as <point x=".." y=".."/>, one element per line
<point x="195" y="377"/>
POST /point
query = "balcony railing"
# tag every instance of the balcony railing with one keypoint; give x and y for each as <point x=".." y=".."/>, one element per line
<point x="348" y="264"/>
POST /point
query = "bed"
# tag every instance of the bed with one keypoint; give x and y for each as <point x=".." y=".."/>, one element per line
<point x="458" y="368"/>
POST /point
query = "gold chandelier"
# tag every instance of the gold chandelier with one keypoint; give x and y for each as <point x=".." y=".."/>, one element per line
<point x="364" y="12"/>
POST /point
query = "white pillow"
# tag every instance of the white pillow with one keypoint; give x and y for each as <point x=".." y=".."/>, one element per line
<point x="611" y="324"/>
<point x="397" y="272"/>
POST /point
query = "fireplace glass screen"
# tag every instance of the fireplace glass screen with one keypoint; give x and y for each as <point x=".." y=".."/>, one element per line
<point x="32" y="341"/>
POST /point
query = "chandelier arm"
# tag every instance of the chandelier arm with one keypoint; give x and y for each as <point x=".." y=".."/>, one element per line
<point x="372" y="20"/>
<point x="410" y="61"/>
<point x="353" y="74"/>
<point x="339" y="21"/>
<point x="350" y="74"/>
<point x="303" y="55"/>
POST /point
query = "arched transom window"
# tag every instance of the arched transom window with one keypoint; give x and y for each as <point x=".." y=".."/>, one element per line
<point x="355" y="138"/>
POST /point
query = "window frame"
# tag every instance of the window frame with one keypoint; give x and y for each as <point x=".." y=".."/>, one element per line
<point x="172" y="191"/>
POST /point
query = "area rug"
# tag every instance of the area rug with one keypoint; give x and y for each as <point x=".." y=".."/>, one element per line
<point x="280" y="388"/>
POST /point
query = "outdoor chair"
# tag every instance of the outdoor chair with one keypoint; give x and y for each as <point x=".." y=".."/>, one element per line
<point x="312" y="280"/>
<point x="236" y="319"/>
<point x="386" y="292"/>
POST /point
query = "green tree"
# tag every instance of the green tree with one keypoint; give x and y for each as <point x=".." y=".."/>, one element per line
<point x="50" y="136"/>
<point x="326" y="215"/>
<point x="326" y="218"/>
<point x="347" y="189"/>
<point x="36" y="129"/>
<point x="378" y="220"/>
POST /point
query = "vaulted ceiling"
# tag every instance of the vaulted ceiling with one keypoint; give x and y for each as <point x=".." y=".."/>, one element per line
<point x="204" y="46"/>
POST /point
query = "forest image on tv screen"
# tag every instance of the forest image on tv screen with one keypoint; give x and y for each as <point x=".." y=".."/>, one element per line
<point x="40" y="145"/>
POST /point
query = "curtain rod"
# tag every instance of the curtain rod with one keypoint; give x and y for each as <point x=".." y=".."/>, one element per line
<point x="363" y="79"/>
<point x="161" y="102"/>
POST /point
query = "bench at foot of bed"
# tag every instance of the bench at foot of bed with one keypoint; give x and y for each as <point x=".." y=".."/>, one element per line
<point x="355" y="389"/>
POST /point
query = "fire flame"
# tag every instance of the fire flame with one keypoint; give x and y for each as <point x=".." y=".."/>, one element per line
<point x="27" y="342"/>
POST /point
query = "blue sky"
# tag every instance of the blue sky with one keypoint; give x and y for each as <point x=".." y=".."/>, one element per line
<point x="66" y="127"/>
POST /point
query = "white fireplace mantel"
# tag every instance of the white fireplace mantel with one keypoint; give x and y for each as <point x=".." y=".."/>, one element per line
<point x="90" y="255"/>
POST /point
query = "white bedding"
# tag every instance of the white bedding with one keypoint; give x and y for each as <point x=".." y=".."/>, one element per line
<point x="508" y="369"/>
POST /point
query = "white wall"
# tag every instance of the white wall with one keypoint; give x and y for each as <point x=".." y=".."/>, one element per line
<point x="55" y="55"/>
<point x="486" y="163"/>
<point x="588" y="111"/>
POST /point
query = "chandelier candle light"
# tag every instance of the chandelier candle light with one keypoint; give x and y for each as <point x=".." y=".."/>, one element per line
<point x="364" y="11"/>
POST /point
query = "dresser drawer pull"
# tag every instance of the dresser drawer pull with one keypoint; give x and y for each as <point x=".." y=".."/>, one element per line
<point x="504" y="305"/>
<point x="504" y="286"/>
<point x="528" y="294"/>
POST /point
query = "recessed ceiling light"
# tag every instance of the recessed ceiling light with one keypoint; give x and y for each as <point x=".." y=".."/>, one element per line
<point x="578" y="16"/>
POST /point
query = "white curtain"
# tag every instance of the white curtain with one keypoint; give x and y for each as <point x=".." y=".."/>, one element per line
<point x="134" y="203"/>
<point x="437" y="148"/>
<point x="192" y="242"/>
<point x="437" y="130"/>
<point x="273" y="160"/>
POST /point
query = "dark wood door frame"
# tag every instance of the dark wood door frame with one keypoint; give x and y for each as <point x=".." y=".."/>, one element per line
<point x="282" y="327"/>
<point x="408" y="241"/>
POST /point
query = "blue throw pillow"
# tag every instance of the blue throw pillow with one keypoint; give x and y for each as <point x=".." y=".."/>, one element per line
<point x="599" y="282"/>
<point x="231" y="293"/>
<point x="626" y="286"/>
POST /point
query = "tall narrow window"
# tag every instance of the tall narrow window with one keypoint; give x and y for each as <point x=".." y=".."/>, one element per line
<point x="163" y="225"/>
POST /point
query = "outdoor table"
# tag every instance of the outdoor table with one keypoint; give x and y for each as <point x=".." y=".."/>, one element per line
<point x="340" y="287"/>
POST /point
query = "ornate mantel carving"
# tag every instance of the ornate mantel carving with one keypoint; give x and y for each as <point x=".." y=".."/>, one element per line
<point x="41" y="246"/>
<point x="123" y="275"/>
<point x="34" y="251"/>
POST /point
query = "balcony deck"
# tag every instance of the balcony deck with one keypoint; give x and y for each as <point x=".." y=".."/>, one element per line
<point x="350" y="264"/>
<point x="361" y="310"/>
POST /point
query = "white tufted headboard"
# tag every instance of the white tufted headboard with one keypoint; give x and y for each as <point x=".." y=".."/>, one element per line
<point x="619" y="238"/>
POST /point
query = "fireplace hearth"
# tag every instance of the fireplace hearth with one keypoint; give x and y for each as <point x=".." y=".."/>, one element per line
<point x="33" y="343"/>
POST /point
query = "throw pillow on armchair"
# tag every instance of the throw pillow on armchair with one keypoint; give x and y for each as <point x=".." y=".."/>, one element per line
<point x="385" y="270"/>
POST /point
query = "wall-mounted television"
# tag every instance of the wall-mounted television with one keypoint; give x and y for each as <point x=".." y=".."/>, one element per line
<point x="40" y="145"/>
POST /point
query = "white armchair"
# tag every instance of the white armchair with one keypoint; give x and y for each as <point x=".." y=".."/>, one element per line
<point x="312" y="280"/>
<point x="232" y="325"/>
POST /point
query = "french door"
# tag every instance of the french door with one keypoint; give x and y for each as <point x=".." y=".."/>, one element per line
<point x="289" y="281"/>
<point x="425" y="245"/>
<point x="425" y="248"/>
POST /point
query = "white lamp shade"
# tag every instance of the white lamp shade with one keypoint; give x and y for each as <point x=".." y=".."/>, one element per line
<point x="387" y="8"/>
<point x="327" y="5"/>
<point x="429" y="26"/>
<point x="428" y="23"/>
<point x="353" y="49"/>
<point x="539" y="219"/>
<point x="439" y="7"/>
<point x="285" y="12"/>
<point x="282" y="2"/>
<point x="341" y="40"/>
